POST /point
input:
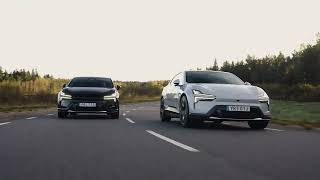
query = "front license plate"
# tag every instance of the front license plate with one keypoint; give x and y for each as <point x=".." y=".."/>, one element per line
<point x="238" y="108"/>
<point x="87" y="104"/>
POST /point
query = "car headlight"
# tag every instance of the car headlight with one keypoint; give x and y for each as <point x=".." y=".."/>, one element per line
<point x="262" y="96"/>
<point x="199" y="96"/>
<point x="64" y="96"/>
<point x="113" y="96"/>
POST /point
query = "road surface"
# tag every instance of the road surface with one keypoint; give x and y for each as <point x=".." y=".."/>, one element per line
<point x="140" y="146"/>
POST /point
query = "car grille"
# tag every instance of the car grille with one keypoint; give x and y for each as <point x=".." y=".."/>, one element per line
<point x="87" y="97"/>
<point x="101" y="105"/>
<point x="221" y="112"/>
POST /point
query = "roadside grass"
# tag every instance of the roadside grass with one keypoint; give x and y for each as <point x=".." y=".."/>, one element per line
<point x="306" y="114"/>
<point x="34" y="106"/>
<point x="26" y="107"/>
<point x="137" y="99"/>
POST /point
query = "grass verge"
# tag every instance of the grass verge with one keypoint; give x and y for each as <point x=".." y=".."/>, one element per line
<point x="27" y="107"/>
<point x="31" y="107"/>
<point x="306" y="114"/>
<point x="137" y="99"/>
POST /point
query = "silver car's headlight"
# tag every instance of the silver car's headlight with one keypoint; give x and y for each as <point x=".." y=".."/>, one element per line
<point x="113" y="96"/>
<point x="262" y="96"/>
<point x="64" y="96"/>
<point x="199" y="96"/>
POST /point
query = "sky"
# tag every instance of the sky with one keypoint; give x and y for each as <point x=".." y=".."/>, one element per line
<point x="141" y="40"/>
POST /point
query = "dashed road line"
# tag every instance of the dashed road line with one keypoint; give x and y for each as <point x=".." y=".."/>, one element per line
<point x="31" y="118"/>
<point x="50" y="114"/>
<point x="183" y="146"/>
<point x="134" y="109"/>
<point x="127" y="111"/>
<point x="131" y="121"/>
<point x="4" y="123"/>
<point x="124" y="114"/>
<point x="271" y="129"/>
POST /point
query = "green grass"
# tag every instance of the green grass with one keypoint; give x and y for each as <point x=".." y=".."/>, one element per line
<point x="32" y="106"/>
<point x="305" y="114"/>
<point x="27" y="107"/>
<point x="128" y="100"/>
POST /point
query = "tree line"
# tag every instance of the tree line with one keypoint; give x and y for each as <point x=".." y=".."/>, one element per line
<point x="21" y="75"/>
<point x="303" y="67"/>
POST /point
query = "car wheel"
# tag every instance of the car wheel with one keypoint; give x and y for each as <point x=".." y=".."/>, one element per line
<point x="258" y="124"/>
<point x="62" y="114"/>
<point x="185" y="119"/>
<point x="115" y="115"/>
<point x="164" y="115"/>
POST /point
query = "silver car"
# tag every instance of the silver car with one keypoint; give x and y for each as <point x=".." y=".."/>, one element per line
<point x="195" y="96"/>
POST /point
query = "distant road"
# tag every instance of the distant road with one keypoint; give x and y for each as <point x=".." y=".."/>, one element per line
<point x="140" y="146"/>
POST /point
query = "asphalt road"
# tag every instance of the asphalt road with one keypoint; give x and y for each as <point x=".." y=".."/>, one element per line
<point x="140" y="146"/>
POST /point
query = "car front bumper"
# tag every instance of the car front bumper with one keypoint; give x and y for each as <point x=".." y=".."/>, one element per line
<point x="102" y="106"/>
<point x="217" y="110"/>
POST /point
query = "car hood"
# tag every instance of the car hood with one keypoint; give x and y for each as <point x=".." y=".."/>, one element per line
<point x="229" y="91"/>
<point x="83" y="91"/>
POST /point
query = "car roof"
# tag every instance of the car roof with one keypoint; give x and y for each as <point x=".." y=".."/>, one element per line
<point x="91" y="77"/>
<point x="205" y="71"/>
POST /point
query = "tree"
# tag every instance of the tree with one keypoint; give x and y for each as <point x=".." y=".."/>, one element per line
<point x="215" y="66"/>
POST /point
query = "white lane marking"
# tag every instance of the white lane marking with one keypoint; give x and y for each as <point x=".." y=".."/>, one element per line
<point x="4" y="123"/>
<point x="271" y="129"/>
<point x="130" y="120"/>
<point x="183" y="146"/>
<point x="31" y="118"/>
<point x="50" y="114"/>
<point x="226" y="123"/>
<point x="134" y="109"/>
<point x="124" y="114"/>
<point x="127" y="111"/>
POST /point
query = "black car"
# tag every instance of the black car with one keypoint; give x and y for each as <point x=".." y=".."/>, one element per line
<point x="96" y="95"/>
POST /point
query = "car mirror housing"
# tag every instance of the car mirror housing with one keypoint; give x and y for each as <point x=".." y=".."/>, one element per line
<point x="64" y="85"/>
<point x="118" y="87"/>
<point x="176" y="82"/>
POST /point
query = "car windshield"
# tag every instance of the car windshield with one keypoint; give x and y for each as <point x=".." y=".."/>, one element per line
<point x="212" y="77"/>
<point x="91" y="82"/>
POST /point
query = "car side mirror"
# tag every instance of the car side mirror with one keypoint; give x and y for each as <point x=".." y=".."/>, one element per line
<point x="118" y="87"/>
<point x="247" y="83"/>
<point x="176" y="82"/>
<point x="64" y="85"/>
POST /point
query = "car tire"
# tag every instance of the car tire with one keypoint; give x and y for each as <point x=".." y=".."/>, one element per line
<point x="115" y="115"/>
<point x="258" y="124"/>
<point x="185" y="118"/>
<point x="62" y="114"/>
<point x="164" y="115"/>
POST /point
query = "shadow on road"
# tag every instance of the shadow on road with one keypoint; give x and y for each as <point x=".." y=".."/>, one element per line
<point x="89" y="117"/>
<point x="207" y="126"/>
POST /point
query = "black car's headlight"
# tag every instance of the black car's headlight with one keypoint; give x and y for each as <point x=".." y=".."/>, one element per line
<point x="63" y="95"/>
<point x="199" y="96"/>
<point x="114" y="96"/>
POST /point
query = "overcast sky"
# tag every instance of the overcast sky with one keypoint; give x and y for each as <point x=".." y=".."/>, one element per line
<point x="145" y="39"/>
